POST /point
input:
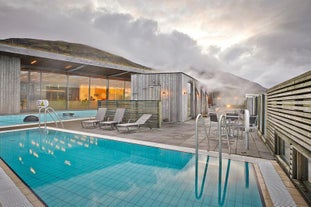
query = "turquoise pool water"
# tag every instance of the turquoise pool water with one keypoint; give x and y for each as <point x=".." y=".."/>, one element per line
<point x="67" y="169"/>
<point x="11" y="120"/>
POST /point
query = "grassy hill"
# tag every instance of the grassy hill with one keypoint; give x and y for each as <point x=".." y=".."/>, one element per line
<point x="71" y="49"/>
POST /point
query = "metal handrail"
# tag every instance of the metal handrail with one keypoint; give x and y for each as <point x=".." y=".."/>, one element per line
<point x="200" y="117"/>
<point x="199" y="193"/>
<point x="223" y="191"/>
<point x="52" y="114"/>
<point x="222" y="126"/>
<point x="49" y="110"/>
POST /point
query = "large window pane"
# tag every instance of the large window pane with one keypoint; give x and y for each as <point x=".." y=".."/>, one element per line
<point x="98" y="91"/>
<point x="78" y="92"/>
<point x="54" y="90"/>
<point x="285" y="151"/>
<point x="24" y="90"/>
<point x="34" y="90"/>
<point x="116" y="90"/>
<point x="127" y="90"/>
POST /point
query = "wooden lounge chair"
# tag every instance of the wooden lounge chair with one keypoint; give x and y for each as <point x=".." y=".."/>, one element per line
<point x="118" y="116"/>
<point x="141" y="121"/>
<point x="93" y="123"/>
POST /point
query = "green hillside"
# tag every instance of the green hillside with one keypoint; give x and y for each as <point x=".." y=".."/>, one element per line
<point x="71" y="49"/>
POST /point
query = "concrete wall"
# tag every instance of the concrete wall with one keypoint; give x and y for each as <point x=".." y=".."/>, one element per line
<point x="9" y="85"/>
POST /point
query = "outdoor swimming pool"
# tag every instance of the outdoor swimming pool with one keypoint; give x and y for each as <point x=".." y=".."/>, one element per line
<point x="13" y="120"/>
<point x="67" y="169"/>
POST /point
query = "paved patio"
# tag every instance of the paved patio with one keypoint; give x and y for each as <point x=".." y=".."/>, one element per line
<point x="183" y="134"/>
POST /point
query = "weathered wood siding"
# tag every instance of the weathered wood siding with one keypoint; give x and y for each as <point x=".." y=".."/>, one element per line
<point x="171" y="89"/>
<point x="289" y="113"/>
<point x="9" y="85"/>
<point x="165" y="87"/>
<point x="184" y="98"/>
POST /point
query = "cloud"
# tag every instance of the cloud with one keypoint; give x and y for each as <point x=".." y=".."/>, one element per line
<point x="263" y="41"/>
<point x="279" y="51"/>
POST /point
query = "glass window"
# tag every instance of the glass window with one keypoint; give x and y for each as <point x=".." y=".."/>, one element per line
<point x="127" y="85"/>
<point x="116" y="90"/>
<point x="98" y="91"/>
<point x="34" y="90"/>
<point x="24" y="81"/>
<point x="285" y="151"/>
<point x="54" y="89"/>
<point x="78" y="92"/>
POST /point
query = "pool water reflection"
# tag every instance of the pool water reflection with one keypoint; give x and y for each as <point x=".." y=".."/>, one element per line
<point x="67" y="169"/>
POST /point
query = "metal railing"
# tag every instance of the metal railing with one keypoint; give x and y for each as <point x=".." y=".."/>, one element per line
<point x="222" y="131"/>
<point x="200" y="117"/>
<point x="52" y="114"/>
<point x="198" y="193"/>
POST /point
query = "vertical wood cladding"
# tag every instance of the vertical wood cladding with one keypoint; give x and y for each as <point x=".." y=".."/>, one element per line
<point x="171" y="89"/>
<point x="9" y="85"/>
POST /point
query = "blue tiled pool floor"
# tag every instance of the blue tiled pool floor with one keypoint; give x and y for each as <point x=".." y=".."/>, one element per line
<point x="67" y="169"/>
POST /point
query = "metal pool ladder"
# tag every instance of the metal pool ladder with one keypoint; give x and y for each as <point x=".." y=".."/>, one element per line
<point x="200" y="117"/>
<point x="199" y="193"/>
<point x="49" y="110"/>
<point x="222" y="131"/>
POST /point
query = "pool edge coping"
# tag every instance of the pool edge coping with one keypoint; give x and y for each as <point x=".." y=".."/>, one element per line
<point x="255" y="161"/>
<point x="19" y="184"/>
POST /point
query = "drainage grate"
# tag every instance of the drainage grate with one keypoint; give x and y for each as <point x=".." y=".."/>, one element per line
<point x="10" y="195"/>
<point x="277" y="190"/>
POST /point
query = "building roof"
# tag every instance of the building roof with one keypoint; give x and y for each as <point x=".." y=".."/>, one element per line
<point x="106" y="66"/>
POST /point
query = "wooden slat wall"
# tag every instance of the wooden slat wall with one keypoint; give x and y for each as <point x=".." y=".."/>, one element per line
<point x="169" y="89"/>
<point x="134" y="109"/>
<point x="9" y="85"/>
<point x="289" y="112"/>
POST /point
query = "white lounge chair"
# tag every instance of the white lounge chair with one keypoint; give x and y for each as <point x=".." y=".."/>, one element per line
<point x="141" y="121"/>
<point x="93" y="123"/>
<point x="118" y="116"/>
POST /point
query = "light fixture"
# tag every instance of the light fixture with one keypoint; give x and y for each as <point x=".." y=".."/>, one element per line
<point x="163" y="93"/>
<point x="185" y="92"/>
<point x="33" y="62"/>
<point x="68" y="66"/>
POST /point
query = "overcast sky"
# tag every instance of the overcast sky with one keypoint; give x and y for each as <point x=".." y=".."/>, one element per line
<point x="264" y="41"/>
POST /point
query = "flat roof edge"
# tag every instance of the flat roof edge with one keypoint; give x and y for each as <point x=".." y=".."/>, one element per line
<point x="61" y="57"/>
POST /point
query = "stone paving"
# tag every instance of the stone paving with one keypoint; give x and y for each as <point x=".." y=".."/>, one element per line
<point x="183" y="134"/>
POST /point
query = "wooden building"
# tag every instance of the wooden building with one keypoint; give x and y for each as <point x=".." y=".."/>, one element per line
<point x="182" y="97"/>
<point x="69" y="82"/>
<point x="285" y="124"/>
